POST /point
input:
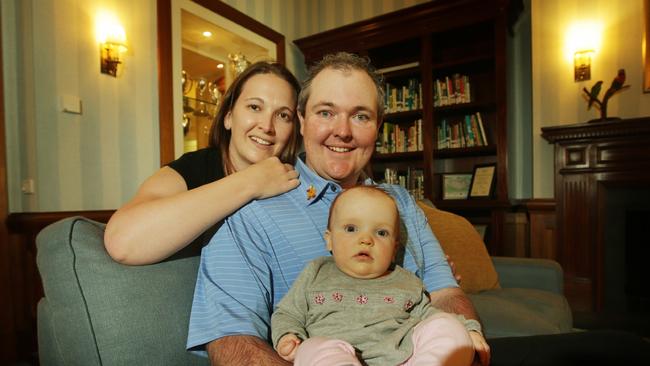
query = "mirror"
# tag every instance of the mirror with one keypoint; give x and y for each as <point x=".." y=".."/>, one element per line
<point x="202" y="45"/>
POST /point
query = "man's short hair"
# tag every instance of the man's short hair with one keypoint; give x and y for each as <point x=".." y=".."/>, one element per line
<point x="342" y="61"/>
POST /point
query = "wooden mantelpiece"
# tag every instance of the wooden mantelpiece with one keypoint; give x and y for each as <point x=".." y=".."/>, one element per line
<point x="589" y="159"/>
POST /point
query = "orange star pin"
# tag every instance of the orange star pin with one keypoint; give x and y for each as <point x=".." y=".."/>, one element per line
<point x="311" y="192"/>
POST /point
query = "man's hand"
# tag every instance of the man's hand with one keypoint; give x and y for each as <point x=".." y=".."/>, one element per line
<point x="481" y="347"/>
<point x="452" y="265"/>
<point x="287" y="346"/>
<point x="243" y="350"/>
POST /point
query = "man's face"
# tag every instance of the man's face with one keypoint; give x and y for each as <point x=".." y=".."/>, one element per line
<point x="362" y="234"/>
<point x="340" y="124"/>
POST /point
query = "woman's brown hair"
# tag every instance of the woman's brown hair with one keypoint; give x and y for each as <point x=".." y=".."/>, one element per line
<point x="220" y="136"/>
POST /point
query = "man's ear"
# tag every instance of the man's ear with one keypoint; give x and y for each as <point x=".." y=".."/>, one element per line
<point x="227" y="121"/>
<point x="379" y="123"/>
<point x="328" y="240"/>
<point x="301" y="118"/>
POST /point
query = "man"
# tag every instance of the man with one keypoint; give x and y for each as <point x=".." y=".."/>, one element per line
<point x="254" y="258"/>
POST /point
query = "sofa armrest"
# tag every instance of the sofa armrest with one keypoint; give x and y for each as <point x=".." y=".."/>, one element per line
<point x="536" y="273"/>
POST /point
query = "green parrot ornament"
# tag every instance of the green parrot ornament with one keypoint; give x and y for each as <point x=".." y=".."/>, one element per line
<point x="593" y="93"/>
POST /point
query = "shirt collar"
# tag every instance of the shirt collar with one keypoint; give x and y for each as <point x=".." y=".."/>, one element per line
<point x="319" y="186"/>
<point x="312" y="186"/>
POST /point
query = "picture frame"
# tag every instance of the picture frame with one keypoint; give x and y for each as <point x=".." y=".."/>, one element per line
<point x="482" y="185"/>
<point x="455" y="186"/>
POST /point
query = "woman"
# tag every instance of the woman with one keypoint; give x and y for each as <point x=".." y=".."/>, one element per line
<point x="253" y="142"/>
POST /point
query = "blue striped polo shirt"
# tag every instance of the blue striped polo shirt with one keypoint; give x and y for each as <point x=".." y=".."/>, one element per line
<point x="251" y="262"/>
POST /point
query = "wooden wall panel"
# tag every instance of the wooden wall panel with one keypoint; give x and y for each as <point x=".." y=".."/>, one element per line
<point x="25" y="288"/>
<point x="542" y="218"/>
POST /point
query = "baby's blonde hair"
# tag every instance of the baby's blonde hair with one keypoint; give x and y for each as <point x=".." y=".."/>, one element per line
<point x="370" y="188"/>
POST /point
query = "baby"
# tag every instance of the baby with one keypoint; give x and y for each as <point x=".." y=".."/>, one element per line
<point x="358" y="306"/>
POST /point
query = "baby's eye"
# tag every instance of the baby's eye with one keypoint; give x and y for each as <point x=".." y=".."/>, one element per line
<point x="350" y="228"/>
<point x="383" y="233"/>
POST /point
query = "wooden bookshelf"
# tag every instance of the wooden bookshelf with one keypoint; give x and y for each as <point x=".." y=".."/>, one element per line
<point x="462" y="40"/>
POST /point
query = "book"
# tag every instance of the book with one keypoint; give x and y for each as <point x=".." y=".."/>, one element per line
<point x="470" y="133"/>
<point x="481" y="128"/>
<point x="478" y="140"/>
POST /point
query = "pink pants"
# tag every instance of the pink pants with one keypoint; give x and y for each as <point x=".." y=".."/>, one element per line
<point x="439" y="340"/>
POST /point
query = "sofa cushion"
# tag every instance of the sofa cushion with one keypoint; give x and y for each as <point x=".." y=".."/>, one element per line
<point x="464" y="245"/>
<point x="511" y="312"/>
<point x="99" y="312"/>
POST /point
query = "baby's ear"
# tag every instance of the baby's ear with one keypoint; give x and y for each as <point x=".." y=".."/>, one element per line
<point x="328" y="240"/>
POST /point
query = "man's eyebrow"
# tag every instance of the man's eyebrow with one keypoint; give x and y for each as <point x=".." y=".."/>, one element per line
<point x="332" y="105"/>
<point x="323" y="104"/>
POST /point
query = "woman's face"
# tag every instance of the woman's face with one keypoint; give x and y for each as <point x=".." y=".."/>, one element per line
<point x="261" y="121"/>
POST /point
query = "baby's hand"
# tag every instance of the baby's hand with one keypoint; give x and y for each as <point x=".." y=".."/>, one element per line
<point x="481" y="347"/>
<point x="287" y="346"/>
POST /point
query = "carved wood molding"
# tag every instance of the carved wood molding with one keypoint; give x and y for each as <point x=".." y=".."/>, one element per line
<point x="596" y="130"/>
<point x="429" y="16"/>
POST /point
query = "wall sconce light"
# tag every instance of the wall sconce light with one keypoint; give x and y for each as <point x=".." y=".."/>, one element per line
<point x="583" y="41"/>
<point x="112" y="44"/>
<point x="582" y="65"/>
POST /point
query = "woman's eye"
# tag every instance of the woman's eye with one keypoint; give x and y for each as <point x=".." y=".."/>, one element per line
<point x="285" y="116"/>
<point x="383" y="233"/>
<point x="350" y="228"/>
<point x="254" y="107"/>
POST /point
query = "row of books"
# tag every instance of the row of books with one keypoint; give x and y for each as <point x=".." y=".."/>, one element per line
<point x="451" y="90"/>
<point x="401" y="98"/>
<point x="466" y="132"/>
<point x="396" y="138"/>
<point x="412" y="180"/>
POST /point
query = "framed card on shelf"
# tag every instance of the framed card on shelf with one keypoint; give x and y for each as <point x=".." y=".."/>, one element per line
<point x="482" y="184"/>
<point x="455" y="186"/>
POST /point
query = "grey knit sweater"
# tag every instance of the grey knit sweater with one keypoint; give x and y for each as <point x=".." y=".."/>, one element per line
<point x="376" y="316"/>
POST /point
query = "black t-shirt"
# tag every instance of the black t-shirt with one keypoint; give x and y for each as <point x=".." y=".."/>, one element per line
<point x="199" y="168"/>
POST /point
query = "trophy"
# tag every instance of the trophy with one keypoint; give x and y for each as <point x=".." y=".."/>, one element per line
<point x="186" y="82"/>
<point x="238" y="63"/>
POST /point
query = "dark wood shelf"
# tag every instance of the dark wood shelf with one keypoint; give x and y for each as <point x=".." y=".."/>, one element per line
<point x="471" y="106"/>
<point x="408" y="72"/>
<point x="405" y="116"/>
<point x="465" y="151"/>
<point x="470" y="204"/>
<point x="466" y="61"/>
<point x="410" y="155"/>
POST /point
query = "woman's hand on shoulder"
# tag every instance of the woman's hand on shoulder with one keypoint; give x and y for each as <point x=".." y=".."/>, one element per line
<point x="271" y="177"/>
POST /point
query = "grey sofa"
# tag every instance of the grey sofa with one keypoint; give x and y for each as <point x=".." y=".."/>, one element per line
<point x="98" y="312"/>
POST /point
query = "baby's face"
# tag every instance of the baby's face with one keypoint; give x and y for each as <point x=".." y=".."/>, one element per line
<point x="362" y="233"/>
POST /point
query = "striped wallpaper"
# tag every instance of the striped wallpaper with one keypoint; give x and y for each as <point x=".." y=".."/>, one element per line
<point x="97" y="159"/>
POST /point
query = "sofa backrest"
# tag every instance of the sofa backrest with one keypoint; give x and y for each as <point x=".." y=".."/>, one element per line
<point x="98" y="312"/>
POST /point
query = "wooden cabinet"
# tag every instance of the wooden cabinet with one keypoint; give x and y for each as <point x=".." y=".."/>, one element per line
<point x="459" y="44"/>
